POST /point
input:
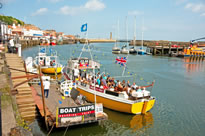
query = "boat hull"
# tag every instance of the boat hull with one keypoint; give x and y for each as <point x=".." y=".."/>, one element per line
<point x="125" y="52"/>
<point x="51" y="70"/>
<point x="141" y="52"/>
<point x="133" y="52"/>
<point x="134" y="108"/>
<point x="115" y="52"/>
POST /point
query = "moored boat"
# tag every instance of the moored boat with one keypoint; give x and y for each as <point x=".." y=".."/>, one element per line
<point x="49" y="64"/>
<point x="134" y="103"/>
<point x="124" y="50"/>
<point x="116" y="50"/>
<point x="132" y="50"/>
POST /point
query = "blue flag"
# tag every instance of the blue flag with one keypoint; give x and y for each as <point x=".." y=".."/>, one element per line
<point x="42" y="50"/>
<point x="84" y="28"/>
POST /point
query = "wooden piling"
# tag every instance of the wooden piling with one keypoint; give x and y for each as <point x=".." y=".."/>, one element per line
<point x="154" y="50"/>
<point x="43" y="98"/>
<point x="162" y="53"/>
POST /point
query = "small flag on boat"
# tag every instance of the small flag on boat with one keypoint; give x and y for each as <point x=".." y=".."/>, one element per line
<point x="42" y="50"/>
<point x="121" y="60"/>
<point x="84" y="28"/>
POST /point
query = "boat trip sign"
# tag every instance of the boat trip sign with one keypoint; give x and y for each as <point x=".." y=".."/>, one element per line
<point x="76" y="111"/>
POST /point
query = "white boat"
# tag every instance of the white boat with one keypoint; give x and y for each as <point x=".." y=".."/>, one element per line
<point x="116" y="50"/>
<point x="124" y="49"/>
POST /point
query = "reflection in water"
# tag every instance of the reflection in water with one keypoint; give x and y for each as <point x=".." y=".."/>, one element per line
<point x="194" y="64"/>
<point x="135" y="122"/>
<point x="140" y="121"/>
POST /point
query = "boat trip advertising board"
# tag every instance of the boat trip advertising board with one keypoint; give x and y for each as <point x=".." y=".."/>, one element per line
<point x="76" y="111"/>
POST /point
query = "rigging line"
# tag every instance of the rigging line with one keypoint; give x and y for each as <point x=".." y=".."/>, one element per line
<point x="65" y="131"/>
<point x="51" y="129"/>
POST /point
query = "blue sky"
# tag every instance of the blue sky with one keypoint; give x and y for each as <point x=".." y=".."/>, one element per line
<point x="179" y="20"/>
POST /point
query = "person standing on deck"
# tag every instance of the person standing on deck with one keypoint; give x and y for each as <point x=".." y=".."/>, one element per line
<point x="76" y="73"/>
<point x="46" y="85"/>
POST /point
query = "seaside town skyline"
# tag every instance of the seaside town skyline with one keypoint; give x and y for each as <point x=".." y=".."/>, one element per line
<point x="181" y="20"/>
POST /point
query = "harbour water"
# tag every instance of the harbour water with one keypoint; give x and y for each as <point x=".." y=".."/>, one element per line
<point x="179" y="90"/>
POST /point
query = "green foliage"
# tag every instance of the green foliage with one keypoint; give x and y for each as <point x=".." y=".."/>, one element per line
<point x="22" y="123"/>
<point x="11" y="20"/>
<point x="5" y="98"/>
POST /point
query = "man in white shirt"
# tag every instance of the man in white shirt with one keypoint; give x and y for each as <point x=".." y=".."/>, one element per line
<point x="46" y="85"/>
<point x="76" y="73"/>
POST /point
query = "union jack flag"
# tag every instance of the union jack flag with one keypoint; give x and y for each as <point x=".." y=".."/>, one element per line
<point x="121" y="60"/>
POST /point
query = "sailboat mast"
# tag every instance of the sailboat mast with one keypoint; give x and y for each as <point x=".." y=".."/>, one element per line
<point x="118" y="33"/>
<point x="126" y="31"/>
<point x="134" y="32"/>
<point x="142" y="32"/>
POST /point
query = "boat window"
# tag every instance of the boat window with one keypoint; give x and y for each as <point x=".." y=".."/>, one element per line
<point x="111" y="93"/>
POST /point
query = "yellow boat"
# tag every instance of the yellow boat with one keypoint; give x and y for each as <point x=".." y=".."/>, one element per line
<point x="49" y="64"/>
<point x="51" y="70"/>
<point x="194" y="51"/>
<point x="139" y="103"/>
<point x="116" y="101"/>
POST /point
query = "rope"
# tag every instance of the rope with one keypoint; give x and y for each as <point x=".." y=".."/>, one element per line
<point x="65" y="131"/>
<point x="51" y="129"/>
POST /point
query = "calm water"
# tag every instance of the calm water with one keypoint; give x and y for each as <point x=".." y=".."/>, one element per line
<point x="179" y="90"/>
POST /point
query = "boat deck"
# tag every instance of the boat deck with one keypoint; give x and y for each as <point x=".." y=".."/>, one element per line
<point x="56" y="100"/>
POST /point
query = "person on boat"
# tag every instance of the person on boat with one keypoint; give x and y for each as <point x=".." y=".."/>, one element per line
<point x="127" y="88"/>
<point x="76" y="73"/>
<point x="98" y="81"/>
<point x="134" y="86"/>
<point x="104" y="77"/>
<point x="103" y="83"/>
<point x="123" y="83"/>
<point x="128" y="83"/>
<point x="139" y="89"/>
<point x="83" y="74"/>
<point x="119" y="86"/>
<point x="51" y="63"/>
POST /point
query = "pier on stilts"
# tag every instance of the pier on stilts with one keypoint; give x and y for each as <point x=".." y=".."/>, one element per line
<point x="24" y="99"/>
<point x="54" y="102"/>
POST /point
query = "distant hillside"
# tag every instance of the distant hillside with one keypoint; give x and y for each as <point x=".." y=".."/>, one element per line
<point x="10" y="20"/>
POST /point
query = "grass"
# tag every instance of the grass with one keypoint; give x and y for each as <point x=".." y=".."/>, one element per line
<point x="5" y="97"/>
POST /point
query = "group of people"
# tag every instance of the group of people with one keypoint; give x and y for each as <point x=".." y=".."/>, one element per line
<point x="107" y="82"/>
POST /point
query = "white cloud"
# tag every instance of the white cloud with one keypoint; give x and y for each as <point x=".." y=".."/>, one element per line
<point x="66" y="10"/>
<point x="180" y="1"/>
<point x="91" y="5"/>
<point x="94" y="5"/>
<point x="52" y="1"/>
<point x="6" y="1"/>
<point x="203" y="14"/>
<point x="195" y="7"/>
<point x="135" y="12"/>
<point x="40" y="11"/>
